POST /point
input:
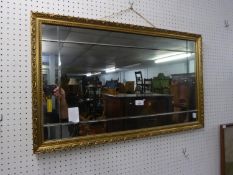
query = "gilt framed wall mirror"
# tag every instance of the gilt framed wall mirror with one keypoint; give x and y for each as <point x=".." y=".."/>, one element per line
<point x="95" y="82"/>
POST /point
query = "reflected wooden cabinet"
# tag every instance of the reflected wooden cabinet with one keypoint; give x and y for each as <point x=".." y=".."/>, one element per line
<point x="134" y="111"/>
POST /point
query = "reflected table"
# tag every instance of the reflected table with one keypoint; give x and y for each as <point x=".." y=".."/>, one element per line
<point x="126" y="106"/>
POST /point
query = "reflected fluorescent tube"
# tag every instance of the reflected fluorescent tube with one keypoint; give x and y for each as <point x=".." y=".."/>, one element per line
<point x="112" y="69"/>
<point x="90" y="74"/>
<point x="173" y="58"/>
<point x="97" y="73"/>
<point x="167" y="55"/>
<point x="59" y="59"/>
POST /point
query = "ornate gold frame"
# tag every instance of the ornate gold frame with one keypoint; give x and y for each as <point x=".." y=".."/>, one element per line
<point x="40" y="18"/>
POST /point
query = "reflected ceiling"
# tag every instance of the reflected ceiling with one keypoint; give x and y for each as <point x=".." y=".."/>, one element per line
<point x="85" y="50"/>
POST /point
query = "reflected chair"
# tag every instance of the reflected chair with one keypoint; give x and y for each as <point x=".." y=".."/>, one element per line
<point x="139" y="82"/>
<point x="147" y="85"/>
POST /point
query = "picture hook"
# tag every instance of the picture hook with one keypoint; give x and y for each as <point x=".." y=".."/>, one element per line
<point x="226" y="23"/>
<point x="131" y="5"/>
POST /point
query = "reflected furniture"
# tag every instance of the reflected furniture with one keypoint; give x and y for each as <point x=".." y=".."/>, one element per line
<point x="132" y="107"/>
<point x="139" y="82"/>
<point x="147" y="85"/>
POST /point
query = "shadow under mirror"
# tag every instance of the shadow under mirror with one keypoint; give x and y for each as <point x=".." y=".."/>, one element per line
<point x="97" y="81"/>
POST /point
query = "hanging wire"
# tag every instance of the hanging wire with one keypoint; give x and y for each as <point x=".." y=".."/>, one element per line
<point x="128" y="10"/>
<point x="116" y="13"/>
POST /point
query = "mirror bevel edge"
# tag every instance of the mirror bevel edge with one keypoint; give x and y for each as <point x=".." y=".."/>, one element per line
<point x="41" y="18"/>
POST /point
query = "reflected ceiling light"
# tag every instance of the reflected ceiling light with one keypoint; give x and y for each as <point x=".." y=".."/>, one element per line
<point x="111" y="69"/>
<point x="90" y="74"/>
<point x="167" y="55"/>
<point x="59" y="59"/>
<point x="173" y="58"/>
<point x="132" y="65"/>
<point x="97" y="73"/>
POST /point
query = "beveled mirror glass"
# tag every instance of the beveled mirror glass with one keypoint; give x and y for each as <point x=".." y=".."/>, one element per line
<point x="96" y="82"/>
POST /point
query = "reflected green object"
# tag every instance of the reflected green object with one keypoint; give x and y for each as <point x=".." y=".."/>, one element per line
<point x="229" y="168"/>
<point x="161" y="84"/>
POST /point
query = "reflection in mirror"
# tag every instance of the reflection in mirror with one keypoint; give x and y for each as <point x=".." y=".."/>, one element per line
<point x="99" y="81"/>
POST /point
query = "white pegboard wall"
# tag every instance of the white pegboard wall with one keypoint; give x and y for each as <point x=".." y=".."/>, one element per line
<point x="161" y="155"/>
